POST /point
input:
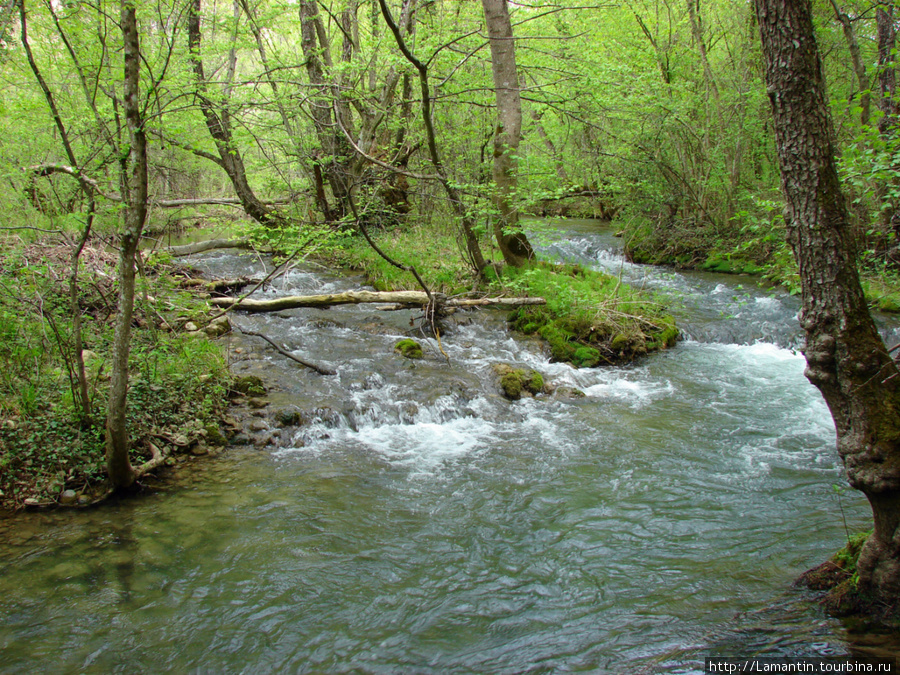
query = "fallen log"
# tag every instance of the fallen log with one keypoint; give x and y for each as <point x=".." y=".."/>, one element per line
<point x="208" y="245"/>
<point x="357" y="297"/>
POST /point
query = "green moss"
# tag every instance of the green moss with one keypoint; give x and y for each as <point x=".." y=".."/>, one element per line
<point x="730" y="265"/>
<point x="511" y="383"/>
<point x="409" y="349"/>
<point x="586" y="357"/>
<point x="516" y="381"/>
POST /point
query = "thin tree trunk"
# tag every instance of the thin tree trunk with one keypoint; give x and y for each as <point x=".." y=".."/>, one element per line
<point x="316" y="52"/>
<point x="846" y="358"/>
<point x="512" y="241"/>
<point x="473" y="249"/>
<point x="81" y="391"/>
<point x="697" y="33"/>
<point x="121" y="473"/>
<point x="859" y="67"/>
<point x="887" y="71"/>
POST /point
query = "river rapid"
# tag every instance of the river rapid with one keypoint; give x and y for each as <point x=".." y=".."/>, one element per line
<point x="420" y="523"/>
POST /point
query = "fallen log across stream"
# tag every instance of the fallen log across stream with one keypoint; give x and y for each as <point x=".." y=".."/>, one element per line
<point x="208" y="245"/>
<point x="357" y="297"/>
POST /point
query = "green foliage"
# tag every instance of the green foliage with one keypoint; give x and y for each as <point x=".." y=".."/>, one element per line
<point x="848" y="556"/>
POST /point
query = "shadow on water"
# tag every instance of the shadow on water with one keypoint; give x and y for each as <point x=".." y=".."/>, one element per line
<point x="419" y="523"/>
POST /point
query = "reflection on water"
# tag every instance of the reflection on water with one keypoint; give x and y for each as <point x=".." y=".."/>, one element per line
<point x="423" y="524"/>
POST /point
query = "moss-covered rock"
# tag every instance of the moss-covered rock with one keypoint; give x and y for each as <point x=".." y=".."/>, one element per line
<point x="249" y="385"/>
<point x="409" y="349"/>
<point x="215" y="436"/>
<point x="514" y="382"/>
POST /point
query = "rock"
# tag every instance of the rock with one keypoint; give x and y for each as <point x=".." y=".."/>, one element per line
<point x="290" y="416"/>
<point x="214" y="435"/>
<point x="248" y="384"/>
<point x="83" y="500"/>
<point x="409" y="349"/>
<point x="196" y="334"/>
<point x="218" y="327"/>
<point x="199" y="449"/>
<point x="68" y="497"/>
<point x="258" y="425"/>
<point x="190" y="327"/>
<point x="31" y="501"/>
<point x="257" y="402"/>
<point x="569" y="392"/>
<point x="514" y="382"/>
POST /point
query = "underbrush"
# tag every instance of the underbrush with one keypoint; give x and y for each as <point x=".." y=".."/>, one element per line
<point x="50" y="441"/>
<point x="753" y="243"/>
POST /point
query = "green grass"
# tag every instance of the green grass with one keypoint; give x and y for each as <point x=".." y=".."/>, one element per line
<point x="435" y="254"/>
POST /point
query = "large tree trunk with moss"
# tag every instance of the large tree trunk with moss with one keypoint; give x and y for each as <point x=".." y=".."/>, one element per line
<point x="846" y="358"/>
<point x="134" y="166"/>
<point x="513" y="243"/>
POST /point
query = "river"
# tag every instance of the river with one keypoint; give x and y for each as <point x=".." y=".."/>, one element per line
<point x="420" y="523"/>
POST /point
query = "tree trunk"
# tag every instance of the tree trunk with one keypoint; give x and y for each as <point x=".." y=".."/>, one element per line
<point x="334" y="152"/>
<point x="359" y="297"/>
<point x="846" y="358"/>
<point x="121" y="473"/>
<point x="887" y="103"/>
<point x="513" y="243"/>
<point x="219" y="126"/>
<point x="473" y="248"/>
<point x="856" y="60"/>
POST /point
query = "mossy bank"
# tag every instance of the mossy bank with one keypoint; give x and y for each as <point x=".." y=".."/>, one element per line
<point x="590" y="318"/>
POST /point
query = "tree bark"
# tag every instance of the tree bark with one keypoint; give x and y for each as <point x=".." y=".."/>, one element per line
<point x="118" y="466"/>
<point x="846" y="358"/>
<point x="513" y="243"/>
<point x="333" y="160"/>
<point x="887" y="71"/>
<point x="208" y="245"/>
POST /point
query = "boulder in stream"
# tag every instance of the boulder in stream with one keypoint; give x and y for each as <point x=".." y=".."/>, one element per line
<point x="409" y="348"/>
<point x="516" y="382"/>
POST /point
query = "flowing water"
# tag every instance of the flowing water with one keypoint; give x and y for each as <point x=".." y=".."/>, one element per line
<point x="420" y="523"/>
